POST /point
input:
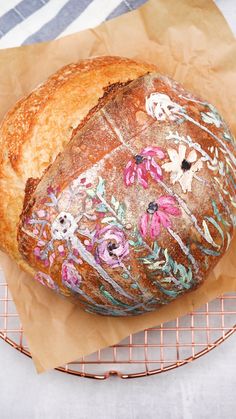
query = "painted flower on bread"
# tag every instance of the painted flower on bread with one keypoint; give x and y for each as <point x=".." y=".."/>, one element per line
<point x="144" y="164"/>
<point x="158" y="215"/>
<point x="45" y="279"/>
<point x="70" y="276"/>
<point x="182" y="168"/>
<point x="112" y="246"/>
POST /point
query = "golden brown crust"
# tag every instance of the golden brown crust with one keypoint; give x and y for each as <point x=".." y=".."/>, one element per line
<point x="166" y="160"/>
<point x="37" y="128"/>
<point x="19" y="122"/>
<point x="109" y="92"/>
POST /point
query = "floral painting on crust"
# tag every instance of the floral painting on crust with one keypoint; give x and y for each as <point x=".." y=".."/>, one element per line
<point x="86" y="225"/>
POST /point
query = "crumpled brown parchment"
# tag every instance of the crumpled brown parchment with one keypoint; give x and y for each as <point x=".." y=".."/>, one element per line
<point x="188" y="40"/>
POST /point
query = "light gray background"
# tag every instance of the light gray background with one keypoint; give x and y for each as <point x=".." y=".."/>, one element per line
<point x="203" y="389"/>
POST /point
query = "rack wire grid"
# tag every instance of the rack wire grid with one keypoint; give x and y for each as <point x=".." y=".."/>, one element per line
<point x="149" y="352"/>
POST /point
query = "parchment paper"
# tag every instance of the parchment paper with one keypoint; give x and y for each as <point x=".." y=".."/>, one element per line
<point x="188" y="40"/>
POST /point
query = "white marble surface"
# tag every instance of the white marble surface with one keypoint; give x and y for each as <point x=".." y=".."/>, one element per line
<point x="203" y="389"/>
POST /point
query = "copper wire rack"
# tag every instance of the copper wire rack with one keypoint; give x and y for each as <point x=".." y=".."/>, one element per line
<point x="149" y="352"/>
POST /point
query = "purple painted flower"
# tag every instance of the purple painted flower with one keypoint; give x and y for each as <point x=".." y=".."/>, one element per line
<point x="112" y="246"/>
<point x="142" y="164"/>
<point x="157" y="215"/>
<point x="70" y="276"/>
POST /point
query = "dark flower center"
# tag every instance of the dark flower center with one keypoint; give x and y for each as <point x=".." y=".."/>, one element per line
<point x="110" y="247"/>
<point x="62" y="219"/>
<point x="185" y="165"/>
<point x="152" y="207"/>
<point x="138" y="159"/>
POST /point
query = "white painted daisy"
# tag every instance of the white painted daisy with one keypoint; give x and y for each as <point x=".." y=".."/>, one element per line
<point x="182" y="168"/>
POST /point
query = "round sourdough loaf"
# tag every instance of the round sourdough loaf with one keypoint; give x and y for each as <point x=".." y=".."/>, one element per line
<point x="137" y="207"/>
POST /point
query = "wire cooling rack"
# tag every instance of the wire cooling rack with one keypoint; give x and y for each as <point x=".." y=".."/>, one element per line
<point x="149" y="352"/>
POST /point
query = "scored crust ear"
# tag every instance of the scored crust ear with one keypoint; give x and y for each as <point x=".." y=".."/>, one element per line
<point x="108" y="92"/>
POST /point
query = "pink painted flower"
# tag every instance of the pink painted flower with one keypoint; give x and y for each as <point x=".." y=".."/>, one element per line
<point x="112" y="246"/>
<point x="46" y="280"/>
<point x="61" y="249"/>
<point x="43" y="256"/>
<point x="37" y="252"/>
<point x="41" y="243"/>
<point x="142" y="165"/>
<point x="158" y="215"/>
<point x="70" y="276"/>
<point x="52" y="258"/>
<point x="41" y="213"/>
<point x="54" y="191"/>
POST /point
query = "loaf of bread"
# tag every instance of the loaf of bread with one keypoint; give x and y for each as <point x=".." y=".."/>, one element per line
<point x="137" y="207"/>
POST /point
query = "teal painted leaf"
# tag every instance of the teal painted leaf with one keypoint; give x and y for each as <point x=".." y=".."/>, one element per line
<point x="208" y="252"/>
<point x="156" y="249"/>
<point x="125" y="276"/>
<point x="139" y="242"/>
<point x="101" y="208"/>
<point x="111" y="221"/>
<point x="132" y="243"/>
<point x="100" y="187"/>
<point x="166" y="269"/>
<point x="115" y="203"/>
<point x="218" y="215"/>
<point x="173" y="272"/>
<point x="216" y="211"/>
<point x="109" y="297"/>
<point x="216" y="225"/>
<point x="154" y="255"/>
<point x="121" y="212"/>
<point x="170" y="293"/>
